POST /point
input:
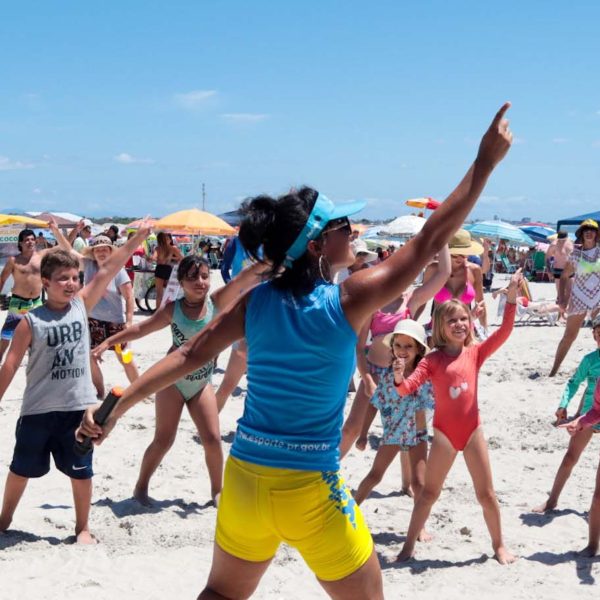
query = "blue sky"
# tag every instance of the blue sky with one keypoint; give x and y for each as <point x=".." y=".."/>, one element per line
<point x="128" y="107"/>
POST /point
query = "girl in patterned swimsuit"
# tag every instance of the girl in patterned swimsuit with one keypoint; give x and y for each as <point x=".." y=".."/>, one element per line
<point x="186" y="317"/>
<point x="453" y="369"/>
<point x="403" y="417"/>
<point x="585" y="291"/>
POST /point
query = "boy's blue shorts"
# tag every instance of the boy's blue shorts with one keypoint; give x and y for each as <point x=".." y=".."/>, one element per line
<point x="39" y="436"/>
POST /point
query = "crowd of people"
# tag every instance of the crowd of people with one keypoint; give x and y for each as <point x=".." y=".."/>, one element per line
<point x="296" y="272"/>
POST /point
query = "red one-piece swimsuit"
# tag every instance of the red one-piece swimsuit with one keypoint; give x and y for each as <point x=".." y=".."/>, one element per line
<point x="454" y="380"/>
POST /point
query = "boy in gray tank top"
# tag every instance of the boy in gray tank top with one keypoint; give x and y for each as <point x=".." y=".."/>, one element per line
<point x="58" y="380"/>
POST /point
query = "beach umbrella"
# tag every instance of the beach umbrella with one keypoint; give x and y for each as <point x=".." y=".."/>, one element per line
<point x="537" y="232"/>
<point x="423" y="203"/>
<point x="21" y="220"/>
<point x="500" y="230"/>
<point x="136" y="224"/>
<point x="195" y="221"/>
<point x="60" y="221"/>
<point x="405" y="226"/>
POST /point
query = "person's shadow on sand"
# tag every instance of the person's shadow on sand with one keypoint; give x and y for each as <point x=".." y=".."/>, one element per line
<point x="14" y="537"/>
<point x="417" y="567"/>
<point x="532" y="519"/>
<point x="583" y="564"/>
<point x="130" y="507"/>
<point x="386" y="538"/>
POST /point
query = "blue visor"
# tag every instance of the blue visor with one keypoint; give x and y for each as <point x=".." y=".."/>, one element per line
<point x="323" y="211"/>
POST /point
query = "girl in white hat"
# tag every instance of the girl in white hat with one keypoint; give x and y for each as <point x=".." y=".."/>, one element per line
<point x="403" y="417"/>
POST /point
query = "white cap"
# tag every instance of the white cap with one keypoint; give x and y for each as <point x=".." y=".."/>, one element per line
<point x="360" y="247"/>
<point x="87" y="223"/>
<point x="410" y="328"/>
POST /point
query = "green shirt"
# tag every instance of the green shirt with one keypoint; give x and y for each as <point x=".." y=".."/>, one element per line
<point x="588" y="369"/>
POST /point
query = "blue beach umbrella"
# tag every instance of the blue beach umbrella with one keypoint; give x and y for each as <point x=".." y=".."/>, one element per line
<point x="501" y="231"/>
<point x="538" y="233"/>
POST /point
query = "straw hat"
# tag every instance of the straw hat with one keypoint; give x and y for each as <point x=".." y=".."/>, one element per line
<point x="98" y="242"/>
<point x="462" y="244"/>
<point x="587" y="224"/>
<point x="410" y="328"/>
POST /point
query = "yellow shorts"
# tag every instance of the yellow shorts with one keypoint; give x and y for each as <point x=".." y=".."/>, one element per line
<point x="260" y="507"/>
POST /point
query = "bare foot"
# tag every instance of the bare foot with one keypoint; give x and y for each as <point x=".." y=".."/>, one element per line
<point x="424" y="536"/>
<point x="86" y="538"/>
<point x="405" y="554"/>
<point x="504" y="557"/>
<point x="407" y="491"/>
<point x="216" y="498"/>
<point x="5" y="524"/>
<point x="542" y="508"/>
<point x="589" y="551"/>
<point x="141" y="495"/>
<point x="361" y="443"/>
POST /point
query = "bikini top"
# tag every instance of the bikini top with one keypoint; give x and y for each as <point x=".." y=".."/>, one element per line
<point x="383" y="323"/>
<point x="467" y="296"/>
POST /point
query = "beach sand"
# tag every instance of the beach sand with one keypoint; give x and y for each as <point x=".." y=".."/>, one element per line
<point x="165" y="551"/>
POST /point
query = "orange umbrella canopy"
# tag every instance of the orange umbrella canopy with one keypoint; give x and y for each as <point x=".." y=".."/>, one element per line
<point x="195" y="221"/>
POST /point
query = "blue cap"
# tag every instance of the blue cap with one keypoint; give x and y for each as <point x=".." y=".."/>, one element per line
<point x="323" y="211"/>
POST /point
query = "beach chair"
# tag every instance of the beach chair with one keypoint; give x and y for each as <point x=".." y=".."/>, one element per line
<point x="508" y="267"/>
<point x="540" y="272"/>
<point x="537" y="311"/>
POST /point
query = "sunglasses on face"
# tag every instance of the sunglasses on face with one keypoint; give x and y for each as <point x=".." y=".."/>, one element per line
<point x="341" y="224"/>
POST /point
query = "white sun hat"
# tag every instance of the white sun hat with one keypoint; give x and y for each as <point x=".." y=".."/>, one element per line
<point x="360" y="247"/>
<point x="410" y="328"/>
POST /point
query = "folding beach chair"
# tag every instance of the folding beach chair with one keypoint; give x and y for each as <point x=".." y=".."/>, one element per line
<point x="508" y="267"/>
<point x="540" y="272"/>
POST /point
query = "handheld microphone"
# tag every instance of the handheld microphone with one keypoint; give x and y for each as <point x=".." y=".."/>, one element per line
<point x="100" y="417"/>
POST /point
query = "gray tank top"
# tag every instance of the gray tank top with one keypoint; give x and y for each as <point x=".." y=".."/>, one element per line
<point x="58" y="373"/>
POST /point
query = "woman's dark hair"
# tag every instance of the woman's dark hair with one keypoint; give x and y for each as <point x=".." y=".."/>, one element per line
<point x="24" y="233"/>
<point x="274" y="224"/>
<point x="190" y="266"/>
<point x="164" y="239"/>
<point x="579" y="235"/>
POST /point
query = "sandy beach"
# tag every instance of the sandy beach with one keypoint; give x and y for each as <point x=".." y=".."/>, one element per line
<point x="165" y="551"/>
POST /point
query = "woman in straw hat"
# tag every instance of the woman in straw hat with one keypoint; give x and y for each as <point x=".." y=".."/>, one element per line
<point x="465" y="282"/>
<point x="585" y="291"/>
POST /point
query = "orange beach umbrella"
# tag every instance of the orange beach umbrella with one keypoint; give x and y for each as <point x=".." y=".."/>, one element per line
<point x="195" y="221"/>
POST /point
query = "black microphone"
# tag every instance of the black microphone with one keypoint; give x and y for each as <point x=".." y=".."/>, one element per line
<point x="100" y="417"/>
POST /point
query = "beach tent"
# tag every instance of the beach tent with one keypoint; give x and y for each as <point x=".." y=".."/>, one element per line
<point x="233" y="217"/>
<point x="572" y="223"/>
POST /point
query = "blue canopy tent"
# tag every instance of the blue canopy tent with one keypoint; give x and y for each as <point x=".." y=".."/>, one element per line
<point x="572" y="223"/>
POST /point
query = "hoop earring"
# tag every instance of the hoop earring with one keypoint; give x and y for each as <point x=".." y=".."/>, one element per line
<point x="323" y="277"/>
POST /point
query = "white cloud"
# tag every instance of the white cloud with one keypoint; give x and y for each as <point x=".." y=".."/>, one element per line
<point x="6" y="164"/>
<point x="126" y="159"/>
<point x="596" y="144"/>
<point x="194" y="99"/>
<point x="517" y="141"/>
<point x="560" y="140"/>
<point x="244" y="117"/>
<point x="37" y="190"/>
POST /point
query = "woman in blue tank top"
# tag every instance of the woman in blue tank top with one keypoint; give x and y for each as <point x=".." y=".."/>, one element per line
<point x="281" y="480"/>
<point x="186" y="317"/>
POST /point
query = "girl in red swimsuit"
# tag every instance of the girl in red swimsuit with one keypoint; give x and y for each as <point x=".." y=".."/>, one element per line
<point x="453" y="370"/>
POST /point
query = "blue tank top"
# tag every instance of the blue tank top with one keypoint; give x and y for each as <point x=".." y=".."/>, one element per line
<point x="301" y="355"/>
